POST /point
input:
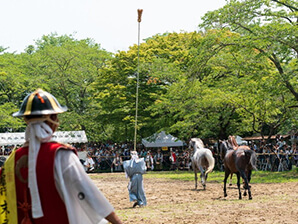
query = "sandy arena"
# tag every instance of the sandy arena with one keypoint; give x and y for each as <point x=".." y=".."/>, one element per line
<point x="172" y="201"/>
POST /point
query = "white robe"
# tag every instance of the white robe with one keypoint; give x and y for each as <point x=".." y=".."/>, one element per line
<point x="84" y="201"/>
<point x="134" y="169"/>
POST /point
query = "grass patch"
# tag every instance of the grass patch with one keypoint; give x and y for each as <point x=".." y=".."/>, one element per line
<point x="214" y="177"/>
<point x="275" y="177"/>
<point x="218" y="176"/>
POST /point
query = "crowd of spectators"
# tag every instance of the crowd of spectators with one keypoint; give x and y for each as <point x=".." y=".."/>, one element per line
<point x="278" y="155"/>
<point x="110" y="156"/>
<point x="6" y="150"/>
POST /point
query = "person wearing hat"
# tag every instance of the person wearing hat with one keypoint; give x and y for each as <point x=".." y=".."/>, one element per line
<point x="134" y="169"/>
<point x="44" y="181"/>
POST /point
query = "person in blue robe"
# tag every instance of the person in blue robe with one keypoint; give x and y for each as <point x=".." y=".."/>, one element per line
<point x="134" y="170"/>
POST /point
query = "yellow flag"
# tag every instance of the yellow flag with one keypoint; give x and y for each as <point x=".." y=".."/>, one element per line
<point x="8" y="206"/>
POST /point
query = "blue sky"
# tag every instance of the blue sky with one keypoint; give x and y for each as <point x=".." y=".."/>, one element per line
<point x="111" y="23"/>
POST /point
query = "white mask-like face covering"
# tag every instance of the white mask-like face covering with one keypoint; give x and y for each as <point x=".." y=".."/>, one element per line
<point x="36" y="133"/>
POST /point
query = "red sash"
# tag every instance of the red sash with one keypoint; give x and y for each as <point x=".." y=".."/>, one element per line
<point x="53" y="207"/>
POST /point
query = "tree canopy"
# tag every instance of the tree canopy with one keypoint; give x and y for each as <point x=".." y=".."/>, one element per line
<point x="236" y="75"/>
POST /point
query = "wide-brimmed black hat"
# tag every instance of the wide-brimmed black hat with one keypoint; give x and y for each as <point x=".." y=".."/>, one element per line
<point x="39" y="102"/>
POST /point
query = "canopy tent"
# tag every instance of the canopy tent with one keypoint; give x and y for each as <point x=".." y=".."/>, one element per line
<point x="161" y="140"/>
<point x="18" y="138"/>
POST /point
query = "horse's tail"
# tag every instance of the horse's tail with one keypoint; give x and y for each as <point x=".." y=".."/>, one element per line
<point x="211" y="161"/>
<point x="253" y="158"/>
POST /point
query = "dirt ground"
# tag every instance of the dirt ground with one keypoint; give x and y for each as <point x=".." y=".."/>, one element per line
<point x="172" y="201"/>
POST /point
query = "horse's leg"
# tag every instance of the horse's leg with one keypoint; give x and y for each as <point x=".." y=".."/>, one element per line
<point x="248" y="186"/>
<point x="238" y="185"/>
<point x="230" y="184"/>
<point x="244" y="186"/>
<point x="243" y="175"/>
<point x="196" y="177"/>
<point x="249" y="176"/>
<point x="227" y="173"/>
<point x="203" y="180"/>
<point x="206" y="176"/>
<point x="203" y="177"/>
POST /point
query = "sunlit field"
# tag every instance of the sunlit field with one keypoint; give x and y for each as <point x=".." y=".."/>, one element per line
<point x="172" y="198"/>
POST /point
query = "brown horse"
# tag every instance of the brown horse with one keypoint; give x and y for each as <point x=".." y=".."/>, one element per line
<point x="227" y="146"/>
<point x="241" y="160"/>
<point x="234" y="145"/>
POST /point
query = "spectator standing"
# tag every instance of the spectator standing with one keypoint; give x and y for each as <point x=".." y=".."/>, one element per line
<point x="186" y="159"/>
<point x="255" y="147"/>
<point x="126" y="154"/>
<point x="109" y="159"/>
<point x="158" y="160"/>
<point x="275" y="158"/>
<point x="277" y="139"/>
<point x="281" y="142"/>
<point x="173" y="159"/>
<point x="117" y="162"/>
<point x="97" y="158"/>
<point x="89" y="163"/>
<point x="149" y="161"/>
<point x="143" y="153"/>
<point x="288" y="153"/>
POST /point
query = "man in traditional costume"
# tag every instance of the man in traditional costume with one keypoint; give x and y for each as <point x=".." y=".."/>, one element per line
<point x="134" y="169"/>
<point x="44" y="181"/>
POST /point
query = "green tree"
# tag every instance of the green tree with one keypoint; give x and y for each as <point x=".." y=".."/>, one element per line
<point x="12" y="89"/>
<point x="162" y="61"/>
<point x="67" y="67"/>
<point x="243" y="68"/>
<point x="268" y="26"/>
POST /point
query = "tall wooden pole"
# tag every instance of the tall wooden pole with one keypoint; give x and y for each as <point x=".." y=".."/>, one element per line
<point x="140" y="11"/>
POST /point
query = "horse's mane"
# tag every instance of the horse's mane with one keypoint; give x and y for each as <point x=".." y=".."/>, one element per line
<point x="198" y="142"/>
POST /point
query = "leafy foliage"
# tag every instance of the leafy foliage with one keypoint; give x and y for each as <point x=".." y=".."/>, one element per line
<point x="237" y="75"/>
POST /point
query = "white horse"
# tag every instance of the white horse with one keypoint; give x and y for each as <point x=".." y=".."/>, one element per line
<point x="202" y="160"/>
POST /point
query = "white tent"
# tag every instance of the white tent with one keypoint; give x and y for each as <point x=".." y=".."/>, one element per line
<point x="161" y="140"/>
<point x="18" y="138"/>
